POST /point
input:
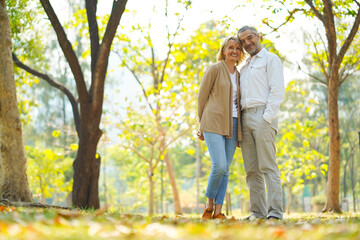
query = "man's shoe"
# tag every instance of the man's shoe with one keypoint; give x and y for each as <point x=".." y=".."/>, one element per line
<point x="272" y="218"/>
<point x="220" y="216"/>
<point x="207" y="213"/>
<point x="251" y="218"/>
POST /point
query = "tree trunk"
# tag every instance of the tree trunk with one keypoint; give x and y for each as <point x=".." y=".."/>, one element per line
<point x="13" y="180"/>
<point x="333" y="183"/>
<point x="162" y="187"/>
<point x="87" y="163"/>
<point x="197" y="175"/>
<point x="87" y="166"/>
<point x="151" y="192"/>
<point x="353" y="182"/>
<point x="315" y="186"/>
<point x="344" y="180"/>
<point x="228" y="203"/>
<point x="170" y="170"/>
<point x="42" y="190"/>
<point x="289" y="199"/>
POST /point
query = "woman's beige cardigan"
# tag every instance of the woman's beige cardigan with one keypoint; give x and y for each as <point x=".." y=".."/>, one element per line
<point x="215" y="101"/>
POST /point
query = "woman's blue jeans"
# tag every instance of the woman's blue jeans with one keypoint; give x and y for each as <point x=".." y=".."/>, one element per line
<point x="221" y="150"/>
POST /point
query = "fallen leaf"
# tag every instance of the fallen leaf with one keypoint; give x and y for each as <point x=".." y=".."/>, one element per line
<point x="279" y="232"/>
<point x="102" y="210"/>
<point x="123" y="229"/>
<point x="307" y="227"/>
<point x="68" y="214"/>
<point x="2" y="208"/>
<point x="156" y="229"/>
<point x="94" y="228"/>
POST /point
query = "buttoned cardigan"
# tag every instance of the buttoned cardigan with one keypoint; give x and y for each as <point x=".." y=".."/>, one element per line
<point x="215" y="101"/>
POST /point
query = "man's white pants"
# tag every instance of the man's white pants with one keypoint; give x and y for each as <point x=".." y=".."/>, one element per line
<point x="258" y="150"/>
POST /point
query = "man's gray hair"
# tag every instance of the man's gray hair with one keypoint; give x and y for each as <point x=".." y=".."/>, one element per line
<point x="244" y="28"/>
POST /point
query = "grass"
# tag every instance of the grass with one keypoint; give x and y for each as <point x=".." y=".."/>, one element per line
<point x="31" y="223"/>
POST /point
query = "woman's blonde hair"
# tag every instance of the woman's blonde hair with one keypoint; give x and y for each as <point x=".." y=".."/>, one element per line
<point x="220" y="55"/>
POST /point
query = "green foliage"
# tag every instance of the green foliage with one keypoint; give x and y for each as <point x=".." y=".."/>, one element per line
<point x="49" y="173"/>
<point x="302" y="140"/>
<point x="26" y="39"/>
<point x="162" y="115"/>
<point x="195" y="55"/>
<point x="318" y="200"/>
<point x="132" y="188"/>
<point x="77" y="24"/>
<point x="349" y="120"/>
<point x="270" y="46"/>
<point x="27" y="43"/>
<point x="298" y="156"/>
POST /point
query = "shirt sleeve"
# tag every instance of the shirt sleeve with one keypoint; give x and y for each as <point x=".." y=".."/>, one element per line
<point x="206" y="85"/>
<point x="275" y="76"/>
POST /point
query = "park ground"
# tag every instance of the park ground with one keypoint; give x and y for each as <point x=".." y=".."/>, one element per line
<point x="40" y="223"/>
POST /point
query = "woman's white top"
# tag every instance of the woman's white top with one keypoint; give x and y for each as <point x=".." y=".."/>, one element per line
<point x="234" y="87"/>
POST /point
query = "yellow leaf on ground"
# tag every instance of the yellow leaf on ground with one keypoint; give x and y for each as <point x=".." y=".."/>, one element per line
<point x="102" y="210"/>
<point x="69" y="214"/>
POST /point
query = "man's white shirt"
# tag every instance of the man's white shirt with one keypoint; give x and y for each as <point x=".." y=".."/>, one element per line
<point x="262" y="83"/>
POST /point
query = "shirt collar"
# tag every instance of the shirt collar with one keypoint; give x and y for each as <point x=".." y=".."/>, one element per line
<point x="260" y="54"/>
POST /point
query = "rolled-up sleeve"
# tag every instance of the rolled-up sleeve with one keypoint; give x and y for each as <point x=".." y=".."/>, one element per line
<point x="275" y="76"/>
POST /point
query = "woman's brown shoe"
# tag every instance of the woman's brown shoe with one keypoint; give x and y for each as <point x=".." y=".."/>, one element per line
<point x="220" y="216"/>
<point x="207" y="213"/>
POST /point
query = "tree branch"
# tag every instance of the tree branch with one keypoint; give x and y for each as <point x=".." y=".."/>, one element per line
<point x="136" y="152"/>
<point x="158" y="159"/>
<point x="349" y="39"/>
<point x="287" y="19"/>
<point x="67" y="50"/>
<point x="321" y="62"/>
<point x="180" y="135"/>
<point x="91" y="7"/>
<point x="154" y="71"/>
<point x="139" y="52"/>
<point x="170" y="41"/>
<point x="97" y="86"/>
<point x="313" y="8"/>
<point x="152" y="63"/>
<point x="138" y="80"/>
<point x="313" y="76"/>
<point x="343" y="78"/>
<point x="346" y="71"/>
<point x="325" y="47"/>
<point x="330" y="31"/>
<point x="55" y="84"/>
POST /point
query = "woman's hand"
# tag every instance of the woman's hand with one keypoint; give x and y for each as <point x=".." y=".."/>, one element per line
<point x="200" y="135"/>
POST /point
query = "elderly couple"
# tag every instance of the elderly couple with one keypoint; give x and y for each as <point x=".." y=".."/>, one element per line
<point x="240" y="109"/>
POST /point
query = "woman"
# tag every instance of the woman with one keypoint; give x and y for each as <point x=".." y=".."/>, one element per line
<point x="219" y="116"/>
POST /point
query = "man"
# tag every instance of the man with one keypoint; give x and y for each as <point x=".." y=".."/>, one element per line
<point x="262" y="92"/>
